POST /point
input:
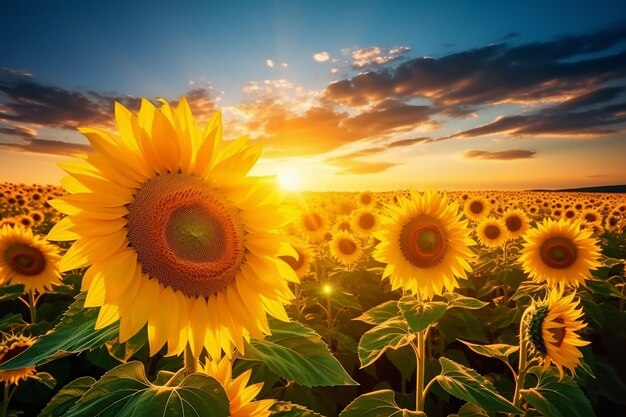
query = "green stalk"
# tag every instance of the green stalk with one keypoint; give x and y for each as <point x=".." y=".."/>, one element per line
<point x="32" y="306"/>
<point x="420" y="356"/>
<point x="523" y="365"/>
<point x="191" y="363"/>
<point x="5" y="400"/>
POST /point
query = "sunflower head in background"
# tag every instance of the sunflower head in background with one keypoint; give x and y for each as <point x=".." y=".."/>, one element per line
<point x="175" y="234"/>
<point x="424" y="243"/>
<point x="346" y="248"/>
<point x="11" y="346"/>
<point x="240" y="394"/>
<point x="552" y="328"/>
<point x="516" y="222"/>
<point x="559" y="253"/>
<point x="26" y="258"/>
<point x="491" y="232"/>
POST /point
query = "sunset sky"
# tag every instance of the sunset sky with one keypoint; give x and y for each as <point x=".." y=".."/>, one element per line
<point x="344" y="95"/>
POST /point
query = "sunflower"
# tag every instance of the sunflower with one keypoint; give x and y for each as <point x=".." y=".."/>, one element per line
<point x="313" y="224"/>
<point x="552" y="330"/>
<point x="28" y="259"/>
<point x="345" y="247"/>
<point x="559" y="253"/>
<point x="491" y="232"/>
<point x="301" y="262"/>
<point x="477" y="208"/>
<point x="240" y="394"/>
<point x="364" y="221"/>
<point x="343" y="223"/>
<point x="365" y="199"/>
<point x="424" y="243"/>
<point x="590" y="216"/>
<point x="516" y="223"/>
<point x="174" y="232"/>
<point x="13" y="345"/>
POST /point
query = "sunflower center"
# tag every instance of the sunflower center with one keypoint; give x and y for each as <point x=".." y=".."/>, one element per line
<point x="312" y="221"/>
<point x="25" y="260"/>
<point x="513" y="223"/>
<point x="477" y="207"/>
<point x="558" y="252"/>
<point x="366" y="199"/>
<point x="492" y="231"/>
<point x="346" y="246"/>
<point x="367" y="221"/>
<point x="558" y="332"/>
<point x="590" y="217"/>
<point x="185" y="234"/>
<point x="13" y="352"/>
<point x="423" y="241"/>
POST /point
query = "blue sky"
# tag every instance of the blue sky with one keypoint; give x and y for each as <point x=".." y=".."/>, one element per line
<point x="167" y="49"/>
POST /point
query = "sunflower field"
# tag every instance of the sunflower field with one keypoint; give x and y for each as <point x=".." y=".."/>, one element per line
<point x="162" y="279"/>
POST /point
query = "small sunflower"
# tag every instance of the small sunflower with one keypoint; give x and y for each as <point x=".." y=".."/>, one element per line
<point x="365" y="199"/>
<point x="175" y="233"/>
<point x="559" y="253"/>
<point x="240" y="394"/>
<point x="590" y="216"/>
<point x="13" y="345"/>
<point x="364" y="221"/>
<point x="313" y="225"/>
<point x="552" y="330"/>
<point x="345" y="247"/>
<point x="28" y="259"/>
<point x="477" y="208"/>
<point x="516" y="223"/>
<point x="343" y="223"/>
<point x="424" y="243"/>
<point x="491" y="232"/>
<point x="302" y="264"/>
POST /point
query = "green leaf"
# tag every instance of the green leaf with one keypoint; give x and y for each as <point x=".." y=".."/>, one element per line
<point x="287" y="409"/>
<point x="556" y="398"/>
<point x="461" y="301"/>
<point x="468" y="385"/>
<point x="471" y="410"/>
<point x="11" y="292"/>
<point x="378" y="404"/>
<point x="8" y="322"/>
<point x="124" y="351"/>
<point x="67" y="397"/>
<point x="44" y="378"/>
<point x="296" y="352"/>
<point x="125" y="391"/>
<point x="381" y="313"/>
<point x="420" y="314"/>
<point x="498" y="350"/>
<point x="75" y="333"/>
<point x="392" y="334"/>
<point x="461" y="324"/>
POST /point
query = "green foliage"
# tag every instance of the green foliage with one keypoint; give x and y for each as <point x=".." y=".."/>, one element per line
<point x="468" y="385"/>
<point x="391" y="334"/>
<point x="297" y="353"/>
<point x="378" y="404"/>
<point x="556" y="398"/>
<point x="125" y="391"/>
<point x="67" y="397"/>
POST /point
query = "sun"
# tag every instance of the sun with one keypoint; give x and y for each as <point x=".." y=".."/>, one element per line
<point x="289" y="179"/>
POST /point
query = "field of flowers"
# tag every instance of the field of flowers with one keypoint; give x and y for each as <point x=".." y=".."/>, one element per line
<point x="161" y="279"/>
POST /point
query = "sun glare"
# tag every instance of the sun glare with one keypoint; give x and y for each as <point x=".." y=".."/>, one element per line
<point x="289" y="180"/>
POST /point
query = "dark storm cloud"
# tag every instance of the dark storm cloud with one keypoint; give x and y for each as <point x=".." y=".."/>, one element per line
<point x="459" y="82"/>
<point x="21" y="131"/>
<point x="506" y="155"/>
<point x="46" y="146"/>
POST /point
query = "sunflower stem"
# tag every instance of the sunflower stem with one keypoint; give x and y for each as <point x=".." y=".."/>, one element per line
<point x="5" y="400"/>
<point x="191" y="363"/>
<point x="32" y="306"/>
<point x="420" y="356"/>
<point x="522" y="367"/>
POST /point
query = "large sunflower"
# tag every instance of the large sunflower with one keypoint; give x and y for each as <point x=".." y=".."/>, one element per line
<point x="552" y="330"/>
<point x="175" y="233"/>
<point x="424" y="243"/>
<point x="559" y="253"/>
<point x="240" y="394"/>
<point x="27" y="259"/>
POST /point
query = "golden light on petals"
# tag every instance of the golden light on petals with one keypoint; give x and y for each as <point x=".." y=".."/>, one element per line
<point x="13" y="345"/>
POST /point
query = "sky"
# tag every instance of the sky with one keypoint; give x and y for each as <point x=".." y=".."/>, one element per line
<point x="343" y="96"/>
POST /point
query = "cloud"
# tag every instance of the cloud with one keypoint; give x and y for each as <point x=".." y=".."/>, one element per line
<point x="46" y="146"/>
<point x="375" y="56"/>
<point x="457" y="83"/>
<point x="348" y="165"/>
<point x="269" y="63"/>
<point x="409" y="142"/>
<point x="16" y="130"/>
<point x="596" y="176"/>
<point x="321" y="56"/>
<point x="506" y="155"/>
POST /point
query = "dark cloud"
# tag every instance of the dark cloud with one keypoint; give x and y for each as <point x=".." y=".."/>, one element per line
<point x="16" y="130"/>
<point x="409" y="142"/>
<point x="506" y="155"/>
<point x="25" y="100"/>
<point x="459" y="82"/>
<point x="510" y="35"/>
<point x="46" y="146"/>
